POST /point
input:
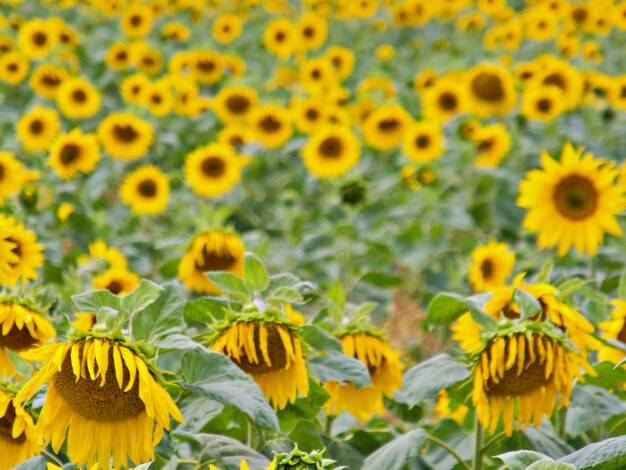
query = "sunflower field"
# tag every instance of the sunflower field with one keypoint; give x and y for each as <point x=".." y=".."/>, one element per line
<point x="312" y="234"/>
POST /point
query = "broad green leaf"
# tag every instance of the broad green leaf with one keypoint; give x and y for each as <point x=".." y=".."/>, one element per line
<point x="226" y="453"/>
<point x="205" y="310"/>
<point x="528" y="305"/>
<point x="609" y="454"/>
<point x="286" y="294"/>
<point x="545" y="440"/>
<point x="572" y="286"/>
<point x="230" y="284"/>
<point x="254" y="273"/>
<point x="214" y="376"/>
<point x="21" y="366"/>
<point x="198" y="411"/>
<point x="320" y="339"/>
<point x="549" y="464"/>
<point x="447" y="307"/>
<point x="307" y="435"/>
<point x="176" y="341"/>
<point x="91" y="302"/>
<point x="282" y="280"/>
<point x="36" y="463"/>
<point x="340" y="368"/>
<point x="144" y="294"/>
<point x="434" y="374"/>
<point x="590" y="406"/>
<point x="108" y="320"/>
<point x="546" y="270"/>
<point x="363" y="310"/>
<point x="162" y="317"/>
<point x="398" y="453"/>
<point x="383" y="280"/>
<point x="522" y="459"/>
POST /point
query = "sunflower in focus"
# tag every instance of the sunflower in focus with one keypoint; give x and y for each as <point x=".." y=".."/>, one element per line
<point x="146" y="190"/>
<point x="46" y="80"/>
<point x="271" y="125"/>
<point x="118" y="281"/>
<point x="74" y="152"/>
<point x="23" y="327"/>
<point x="28" y="253"/>
<point x="19" y="439"/>
<point x="614" y="329"/>
<point x="423" y="142"/>
<point x="490" y="89"/>
<point x="38" y="128"/>
<point x="125" y="136"/>
<point x="271" y="352"/>
<point x="385" y="371"/>
<point x="444" y="100"/>
<point x="543" y="103"/>
<point x="492" y="144"/>
<point x="103" y="401"/>
<point x="234" y="103"/>
<point x="572" y="202"/>
<point x="77" y="98"/>
<point x="491" y="265"/>
<point x="384" y="129"/>
<point x="215" y="250"/>
<point x="331" y="152"/>
<point x="213" y="170"/>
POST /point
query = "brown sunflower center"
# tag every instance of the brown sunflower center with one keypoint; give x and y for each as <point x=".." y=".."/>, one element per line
<point x="312" y="114"/>
<point x="621" y="336"/>
<point x="206" y="65"/>
<point x="236" y="141"/>
<point x="544" y="105"/>
<point x="308" y="32"/>
<point x="270" y="124"/>
<point x="40" y="39"/>
<point x="213" y="167"/>
<point x="125" y="132"/>
<point x="579" y="15"/>
<point x="115" y="287"/>
<point x="331" y="148"/>
<point x="576" y="197"/>
<point x="555" y="79"/>
<point x="237" y="104"/>
<point x="135" y="20"/>
<point x="484" y="146"/>
<point x="147" y="188"/>
<point x="280" y="36"/>
<point x="448" y="101"/>
<point x="17" y="340"/>
<point x="488" y="87"/>
<point x="422" y="141"/>
<point x="69" y="153"/>
<point x="13" y="67"/>
<point x="36" y="126"/>
<point x="51" y="80"/>
<point x="275" y="351"/>
<point x="148" y="61"/>
<point x="212" y="261"/>
<point x="89" y="399"/>
<point x="388" y="125"/>
<point x="1" y="172"/>
<point x="6" y="426"/>
<point x="79" y="96"/>
<point x="16" y="250"/>
<point x="487" y="268"/>
<point x="121" y="56"/>
<point x="156" y="99"/>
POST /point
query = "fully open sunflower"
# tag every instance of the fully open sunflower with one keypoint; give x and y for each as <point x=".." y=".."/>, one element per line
<point x="104" y="401"/>
<point x="73" y="153"/>
<point x="423" y="142"/>
<point x="491" y="90"/>
<point x="136" y="21"/>
<point x="279" y="37"/>
<point x="492" y="144"/>
<point x="77" y="98"/>
<point x="38" y="128"/>
<point x="19" y="438"/>
<point x="213" y="170"/>
<point x="572" y="202"/>
<point x="271" y="125"/>
<point x="384" y="129"/>
<point x="233" y="104"/>
<point x="13" y="174"/>
<point x="14" y="67"/>
<point x="206" y="67"/>
<point x="385" y="371"/>
<point x="24" y="247"/>
<point x="491" y="265"/>
<point x="331" y="152"/>
<point x="444" y="100"/>
<point x="146" y="190"/>
<point x="226" y="28"/>
<point x="46" y="79"/>
<point x="542" y="103"/>
<point x="118" y="56"/>
<point x="214" y="250"/>
<point x="37" y="37"/>
<point x="118" y="281"/>
<point x="125" y="136"/>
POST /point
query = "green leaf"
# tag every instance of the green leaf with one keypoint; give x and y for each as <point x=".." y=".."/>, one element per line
<point x="214" y="376"/>
<point x="621" y="289"/>
<point x="447" y="307"/>
<point x="383" y="280"/>
<point x="398" y="453"/>
<point x="572" y="286"/>
<point x="286" y="294"/>
<point x="320" y="339"/>
<point x="21" y="366"/>
<point x="225" y="452"/>
<point x="91" y="302"/>
<point x="36" y="463"/>
<point x="161" y="317"/>
<point x="176" y="341"/>
<point x="522" y="459"/>
<point x="528" y="305"/>
<point x="282" y="279"/>
<point x="230" y="284"/>
<point x="205" y="310"/>
<point x="254" y="273"/>
<point x="427" y="378"/>
<point x="363" y="310"/>
<point x="546" y="270"/>
<point x="307" y="435"/>
<point x="340" y="368"/>
<point x="590" y="406"/>
<point x="144" y="294"/>
<point x="609" y="454"/>
<point x="545" y="440"/>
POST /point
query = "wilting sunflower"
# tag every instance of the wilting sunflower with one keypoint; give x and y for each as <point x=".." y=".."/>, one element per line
<point x="271" y="125"/>
<point x="146" y="190"/>
<point x="490" y="89"/>
<point x="13" y="67"/>
<point x="22" y="327"/>
<point x="572" y="202"/>
<point x="206" y="67"/>
<point x="491" y="265"/>
<point x="136" y="21"/>
<point x="614" y="329"/>
<point x="104" y="401"/>
<point x="234" y="103"/>
<point x="38" y="128"/>
<point x="444" y="100"/>
<point x="542" y="103"/>
<point x="125" y="136"/>
<point x="46" y="80"/>
<point x="215" y="250"/>
<point x="25" y="247"/>
<point x="12" y="175"/>
<point x="385" y="371"/>
<point x="74" y="152"/>
<point x="36" y="38"/>
<point x="77" y="98"/>
<point x="279" y="37"/>
<point x="19" y="439"/>
<point x="213" y="170"/>
<point x="492" y="144"/>
<point x="331" y="152"/>
<point x="423" y="142"/>
<point x="118" y="281"/>
<point x="226" y="28"/>
<point x="384" y="129"/>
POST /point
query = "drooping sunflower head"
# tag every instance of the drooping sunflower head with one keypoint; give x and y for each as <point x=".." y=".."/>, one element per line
<point x="491" y="265"/>
<point x="271" y="351"/>
<point x="38" y="128"/>
<point x="271" y="125"/>
<point x="19" y="438"/>
<point x="103" y="400"/>
<point x="125" y="136"/>
<point x="331" y="152"/>
<point x="27" y="253"/>
<point x="213" y="170"/>
<point x="572" y="202"/>
<point x="385" y="371"/>
<point x="74" y="153"/>
<point x="386" y="127"/>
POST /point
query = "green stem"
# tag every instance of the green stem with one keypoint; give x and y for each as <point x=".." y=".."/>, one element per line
<point x="477" y="464"/>
<point x="52" y="457"/>
<point x="330" y="419"/>
<point x="562" y="417"/>
<point x="492" y="440"/>
<point x="249" y="435"/>
<point x="450" y="450"/>
<point x="187" y="462"/>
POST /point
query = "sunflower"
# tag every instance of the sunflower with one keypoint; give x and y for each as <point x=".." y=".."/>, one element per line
<point x="25" y="247"/>
<point x="233" y="65"/>
<point x="186" y="95"/>
<point x="146" y="190"/>
<point x="158" y="98"/>
<point x="542" y="103"/>
<point x="271" y="125"/>
<point x="136" y="21"/>
<point x="7" y="44"/>
<point x="539" y="24"/>
<point x="206" y="67"/>
<point x="617" y="92"/>
<point x="176" y="31"/>
<point x="147" y="59"/>
<point x="561" y="74"/>
<point x="12" y="175"/>
<point x="118" y="281"/>
<point x="423" y="142"/>
<point x="444" y="100"/>
<point x="490" y="89"/>
<point x="118" y="56"/>
<point x="308" y="114"/>
<point x="424" y="79"/>
<point x="234" y="135"/>
<point x="46" y="80"/>
<point x="279" y="37"/>
<point x="492" y="144"/>
<point x="272" y="353"/>
<point x="100" y="252"/>
<point x="19" y="439"/>
<point x="572" y="202"/>
<point x="37" y="37"/>
<point x="234" y="103"/>
<point x="133" y="88"/>
<point x="342" y="60"/>
<point x="385" y="371"/>
<point x="213" y="170"/>
<point x="317" y="75"/>
<point x="125" y="136"/>
<point x="74" y="152"/>
<point x="226" y="28"/>
<point x="103" y="400"/>
<point x="443" y="409"/>
<point x="311" y="31"/>
<point x="38" y="128"/>
<point x="491" y="265"/>
<point x="14" y="67"/>
<point x="385" y="128"/>
<point x="77" y="98"/>
<point x="22" y="327"/>
<point x="614" y="329"/>
<point x="331" y="152"/>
